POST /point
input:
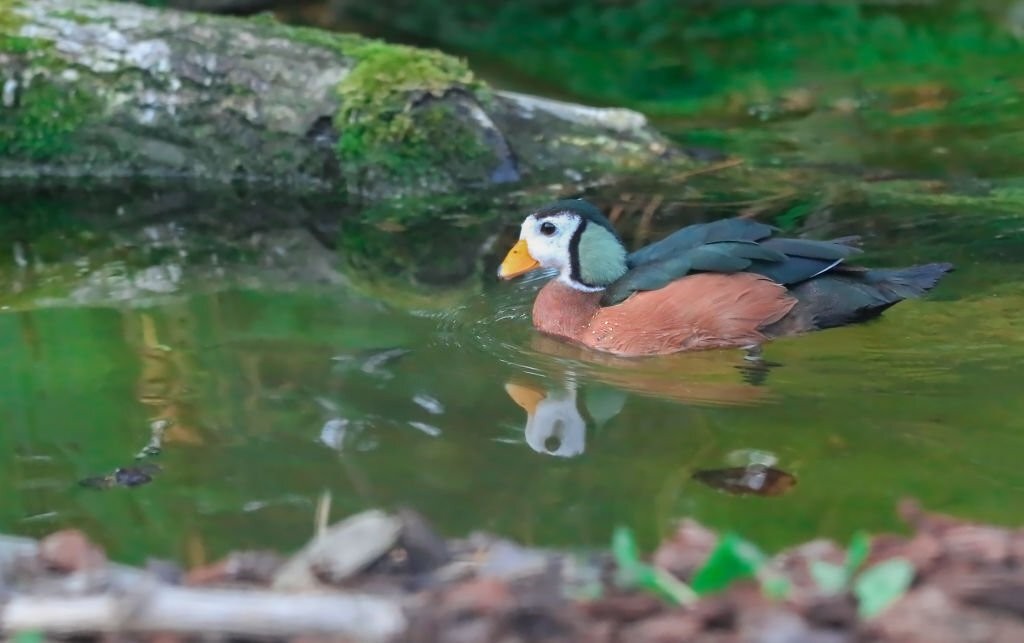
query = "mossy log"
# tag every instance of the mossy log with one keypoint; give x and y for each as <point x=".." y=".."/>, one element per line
<point x="109" y="90"/>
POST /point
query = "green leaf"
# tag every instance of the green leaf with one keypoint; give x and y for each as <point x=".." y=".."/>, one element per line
<point x="671" y="588"/>
<point x="635" y="573"/>
<point x="882" y="584"/>
<point x="624" y="550"/>
<point x="732" y="559"/>
<point x="857" y="553"/>
<point x="830" y="579"/>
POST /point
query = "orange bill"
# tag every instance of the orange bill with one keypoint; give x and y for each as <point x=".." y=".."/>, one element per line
<point x="525" y="395"/>
<point x="518" y="261"/>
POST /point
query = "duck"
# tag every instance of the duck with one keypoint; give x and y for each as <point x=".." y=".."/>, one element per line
<point x="729" y="283"/>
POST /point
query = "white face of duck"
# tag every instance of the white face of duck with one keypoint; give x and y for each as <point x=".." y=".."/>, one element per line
<point x="549" y="241"/>
<point x="586" y="261"/>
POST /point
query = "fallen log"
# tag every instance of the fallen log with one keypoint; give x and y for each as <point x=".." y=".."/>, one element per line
<point x="114" y="598"/>
<point x="115" y="90"/>
<point x="249" y="613"/>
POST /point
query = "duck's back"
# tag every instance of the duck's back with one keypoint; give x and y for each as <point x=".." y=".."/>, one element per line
<point x="727" y="246"/>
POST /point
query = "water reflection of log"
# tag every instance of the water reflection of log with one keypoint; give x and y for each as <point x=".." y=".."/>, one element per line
<point x="272" y="369"/>
<point x="162" y="387"/>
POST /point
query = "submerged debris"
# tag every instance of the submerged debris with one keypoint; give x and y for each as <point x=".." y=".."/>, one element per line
<point x="132" y="476"/>
<point x="371" y="361"/>
<point x="755" y="479"/>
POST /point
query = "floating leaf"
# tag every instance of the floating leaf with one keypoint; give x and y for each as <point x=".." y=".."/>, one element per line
<point x="732" y="559"/>
<point x="830" y="579"/>
<point x="882" y="584"/>
<point x="753" y="479"/>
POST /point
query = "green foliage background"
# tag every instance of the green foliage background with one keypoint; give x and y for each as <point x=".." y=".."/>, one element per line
<point x="672" y="56"/>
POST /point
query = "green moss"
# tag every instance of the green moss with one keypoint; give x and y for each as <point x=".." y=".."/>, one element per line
<point x="410" y="144"/>
<point x="383" y="130"/>
<point x="388" y="122"/>
<point x="40" y="126"/>
<point x="10" y="23"/>
<point x="43" y="124"/>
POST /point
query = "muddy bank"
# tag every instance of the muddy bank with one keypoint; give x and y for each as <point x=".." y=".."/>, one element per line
<point x="377" y="576"/>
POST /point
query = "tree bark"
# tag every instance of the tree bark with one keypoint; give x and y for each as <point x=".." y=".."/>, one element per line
<point x="109" y="90"/>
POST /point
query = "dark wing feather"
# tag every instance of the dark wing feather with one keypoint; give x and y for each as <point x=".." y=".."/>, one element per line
<point x="728" y="245"/>
<point x="794" y="269"/>
<point x="745" y="249"/>
<point x="649" y="276"/>
<point x="810" y="249"/>
<point x="699" y="234"/>
<point x="725" y="256"/>
<point x="805" y="259"/>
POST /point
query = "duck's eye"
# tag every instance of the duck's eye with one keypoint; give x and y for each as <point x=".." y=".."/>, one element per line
<point x="547" y="228"/>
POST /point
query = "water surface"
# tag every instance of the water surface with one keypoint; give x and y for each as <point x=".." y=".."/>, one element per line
<point x="263" y="362"/>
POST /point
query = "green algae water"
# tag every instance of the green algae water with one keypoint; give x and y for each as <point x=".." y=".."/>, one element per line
<point x="186" y="373"/>
<point x="253" y="366"/>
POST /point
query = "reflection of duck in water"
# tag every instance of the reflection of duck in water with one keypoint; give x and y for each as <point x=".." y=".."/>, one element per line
<point x="695" y="378"/>
<point x="729" y="283"/>
<point x="554" y="424"/>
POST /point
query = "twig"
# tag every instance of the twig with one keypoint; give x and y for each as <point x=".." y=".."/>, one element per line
<point x="715" y="167"/>
<point x="644" y="229"/>
<point x="735" y="204"/>
<point x="323" y="513"/>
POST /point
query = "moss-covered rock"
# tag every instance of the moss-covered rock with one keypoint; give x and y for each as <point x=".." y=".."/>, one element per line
<point x="406" y="114"/>
<point x="41" y="108"/>
<point x="409" y="117"/>
<point x="106" y="90"/>
<point x="42" y="123"/>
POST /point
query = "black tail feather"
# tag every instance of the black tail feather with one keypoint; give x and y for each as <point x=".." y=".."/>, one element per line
<point x="839" y="298"/>
<point x="905" y="283"/>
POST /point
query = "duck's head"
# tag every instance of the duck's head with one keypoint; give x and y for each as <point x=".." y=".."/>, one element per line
<point x="573" y="237"/>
